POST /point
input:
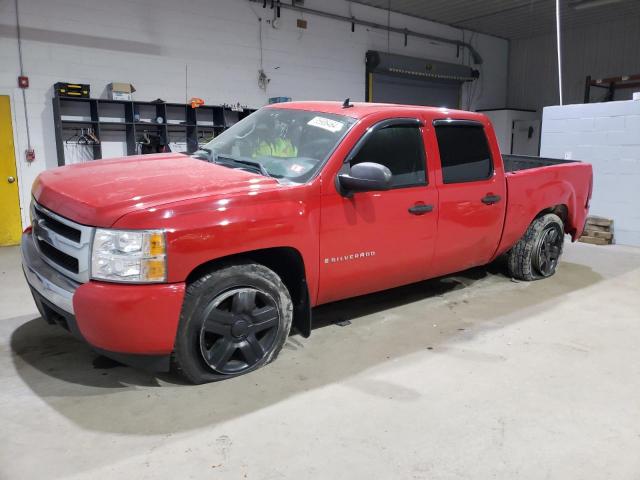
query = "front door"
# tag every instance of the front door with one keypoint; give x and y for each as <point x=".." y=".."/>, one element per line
<point x="376" y="240"/>
<point x="10" y="223"/>
<point x="472" y="196"/>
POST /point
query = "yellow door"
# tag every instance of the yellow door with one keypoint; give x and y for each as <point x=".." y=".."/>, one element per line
<point x="10" y="223"/>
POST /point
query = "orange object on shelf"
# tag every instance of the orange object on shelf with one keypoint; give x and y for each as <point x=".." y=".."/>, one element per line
<point x="196" y="102"/>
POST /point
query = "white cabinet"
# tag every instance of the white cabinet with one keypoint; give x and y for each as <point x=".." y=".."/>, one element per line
<point x="518" y="131"/>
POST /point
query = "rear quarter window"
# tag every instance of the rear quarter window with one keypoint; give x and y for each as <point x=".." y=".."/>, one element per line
<point x="464" y="153"/>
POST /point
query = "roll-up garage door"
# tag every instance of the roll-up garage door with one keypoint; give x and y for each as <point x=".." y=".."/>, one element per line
<point x="414" y="81"/>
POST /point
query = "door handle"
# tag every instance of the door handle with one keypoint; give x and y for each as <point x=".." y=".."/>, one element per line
<point x="11" y="179"/>
<point x="420" y="209"/>
<point x="490" y="199"/>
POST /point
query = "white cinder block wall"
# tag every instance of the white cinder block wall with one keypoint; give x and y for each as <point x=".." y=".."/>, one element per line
<point x="150" y="43"/>
<point x="607" y="135"/>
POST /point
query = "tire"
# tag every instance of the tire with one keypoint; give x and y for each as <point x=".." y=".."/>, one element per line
<point x="234" y="320"/>
<point x="537" y="253"/>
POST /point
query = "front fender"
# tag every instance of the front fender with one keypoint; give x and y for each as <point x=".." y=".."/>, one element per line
<point x="202" y="230"/>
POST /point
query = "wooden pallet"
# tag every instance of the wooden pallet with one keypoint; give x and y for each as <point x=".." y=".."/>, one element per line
<point x="598" y="231"/>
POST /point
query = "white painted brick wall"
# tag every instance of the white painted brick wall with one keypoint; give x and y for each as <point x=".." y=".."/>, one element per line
<point x="607" y="135"/>
<point x="609" y="123"/>
<point x="149" y="42"/>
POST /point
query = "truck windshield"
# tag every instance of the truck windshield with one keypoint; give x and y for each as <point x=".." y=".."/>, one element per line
<point x="286" y="144"/>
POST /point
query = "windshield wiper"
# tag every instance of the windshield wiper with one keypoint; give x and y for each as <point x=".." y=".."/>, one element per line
<point x="256" y="166"/>
<point x="230" y="161"/>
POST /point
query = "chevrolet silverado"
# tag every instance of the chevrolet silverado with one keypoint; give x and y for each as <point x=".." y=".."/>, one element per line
<point x="204" y="263"/>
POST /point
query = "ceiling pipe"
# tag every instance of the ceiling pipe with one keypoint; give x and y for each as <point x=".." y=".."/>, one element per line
<point x="477" y="59"/>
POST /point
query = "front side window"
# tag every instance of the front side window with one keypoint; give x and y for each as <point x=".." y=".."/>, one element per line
<point x="399" y="148"/>
<point x="287" y="144"/>
<point x="464" y="153"/>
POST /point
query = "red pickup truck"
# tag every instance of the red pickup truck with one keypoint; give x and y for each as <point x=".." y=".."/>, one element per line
<point x="206" y="262"/>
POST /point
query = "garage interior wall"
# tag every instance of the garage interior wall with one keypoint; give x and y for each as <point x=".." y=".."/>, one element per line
<point x="605" y="50"/>
<point x="150" y="42"/>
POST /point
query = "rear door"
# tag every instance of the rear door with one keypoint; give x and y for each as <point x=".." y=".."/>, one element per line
<point x="472" y="196"/>
<point x="375" y="240"/>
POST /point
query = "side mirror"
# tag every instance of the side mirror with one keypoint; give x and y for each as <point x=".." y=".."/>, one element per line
<point x="365" y="177"/>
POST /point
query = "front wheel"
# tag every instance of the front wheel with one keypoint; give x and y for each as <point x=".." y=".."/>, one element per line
<point x="234" y="320"/>
<point x="537" y="253"/>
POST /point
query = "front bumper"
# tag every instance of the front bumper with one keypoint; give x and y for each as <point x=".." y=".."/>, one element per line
<point x="135" y="324"/>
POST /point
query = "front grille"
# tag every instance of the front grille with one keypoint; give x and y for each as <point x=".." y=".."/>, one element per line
<point x="60" y="258"/>
<point x="60" y="228"/>
<point x="62" y="243"/>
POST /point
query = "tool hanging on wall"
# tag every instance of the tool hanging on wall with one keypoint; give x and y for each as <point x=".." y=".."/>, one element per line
<point x="275" y="5"/>
<point x="83" y="137"/>
<point x="151" y="142"/>
<point x="90" y="135"/>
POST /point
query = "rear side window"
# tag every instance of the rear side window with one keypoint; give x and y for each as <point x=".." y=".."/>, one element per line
<point x="400" y="149"/>
<point x="464" y="153"/>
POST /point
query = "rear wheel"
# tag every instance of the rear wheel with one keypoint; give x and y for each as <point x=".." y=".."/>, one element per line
<point x="234" y="320"/>
<point x="537" y="253"/>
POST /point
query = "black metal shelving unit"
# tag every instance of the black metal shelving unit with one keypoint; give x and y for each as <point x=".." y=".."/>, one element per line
<point x="129" y="120"/>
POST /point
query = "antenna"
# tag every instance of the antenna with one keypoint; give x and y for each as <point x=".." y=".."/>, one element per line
<point x="346" y="103"/>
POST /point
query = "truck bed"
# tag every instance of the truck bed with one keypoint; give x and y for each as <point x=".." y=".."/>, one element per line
<point x="513" y="163"/>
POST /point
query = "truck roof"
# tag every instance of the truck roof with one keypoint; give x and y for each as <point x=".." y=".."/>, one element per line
<point x="362" y="109"/>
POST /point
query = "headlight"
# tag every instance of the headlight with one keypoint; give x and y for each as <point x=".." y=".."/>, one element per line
<point x="137" y="256"/>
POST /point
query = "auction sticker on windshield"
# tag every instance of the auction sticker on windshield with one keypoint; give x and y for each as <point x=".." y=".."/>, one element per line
<point x="326" y="123"/>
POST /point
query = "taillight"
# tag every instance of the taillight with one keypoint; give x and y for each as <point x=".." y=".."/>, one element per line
<point x="590" y="193"/>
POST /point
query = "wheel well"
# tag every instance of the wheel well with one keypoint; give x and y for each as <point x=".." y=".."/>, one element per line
<point x="562" y="211"/>
<point x="288" y="264"/>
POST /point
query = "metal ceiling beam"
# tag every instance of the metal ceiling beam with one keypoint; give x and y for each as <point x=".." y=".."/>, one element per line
<point x="494" y="13"/>
<point x="477" y="59"/>
<point x="513" y="19"/>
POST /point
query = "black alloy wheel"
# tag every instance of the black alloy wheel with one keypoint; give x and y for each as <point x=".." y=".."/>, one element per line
<point x="548" y="250"/>
<point x="239" y="329"/>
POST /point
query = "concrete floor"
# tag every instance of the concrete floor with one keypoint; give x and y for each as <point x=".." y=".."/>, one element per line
<point x="470" y="376"/>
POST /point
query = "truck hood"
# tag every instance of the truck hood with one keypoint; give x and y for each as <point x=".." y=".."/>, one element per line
<point x="100" y="192"/>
